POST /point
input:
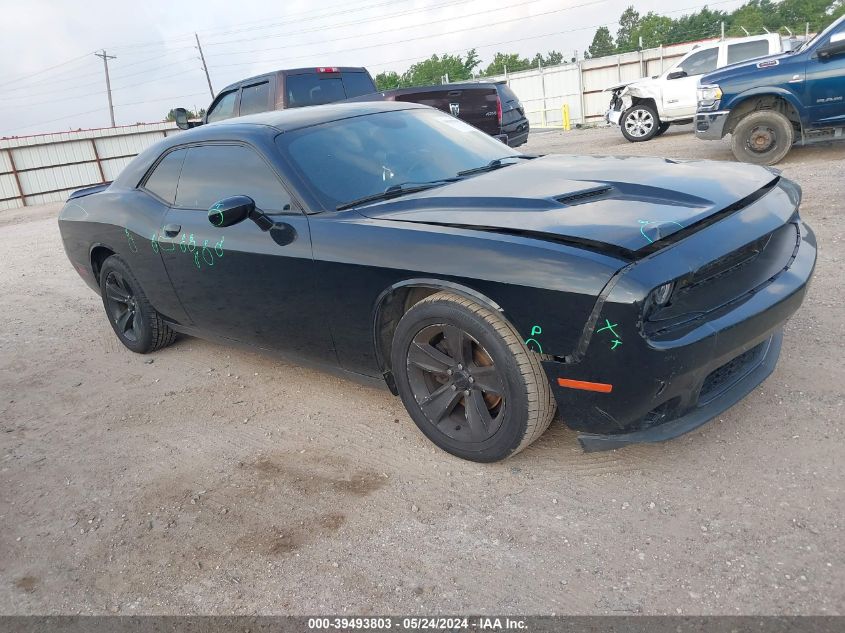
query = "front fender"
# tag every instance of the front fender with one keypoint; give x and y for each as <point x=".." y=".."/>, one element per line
<point x="737" y="100"/>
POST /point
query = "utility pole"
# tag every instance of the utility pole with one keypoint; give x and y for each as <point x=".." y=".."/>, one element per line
<point x="204" y="67"/>
<point x="106" y="59"/>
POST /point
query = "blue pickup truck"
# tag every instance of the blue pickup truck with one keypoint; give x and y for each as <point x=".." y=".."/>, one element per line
<point x="769" y="104"/>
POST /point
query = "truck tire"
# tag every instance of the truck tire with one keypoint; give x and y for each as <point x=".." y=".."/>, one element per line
<point x="639" y="123"/>
<point x="763" y="137"/>
<point x="662" y="128"/>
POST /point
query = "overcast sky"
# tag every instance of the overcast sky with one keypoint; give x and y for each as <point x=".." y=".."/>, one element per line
<point x="157" y="65"/>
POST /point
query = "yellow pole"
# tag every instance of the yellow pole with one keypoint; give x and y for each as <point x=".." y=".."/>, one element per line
<point x="565" y="117"/>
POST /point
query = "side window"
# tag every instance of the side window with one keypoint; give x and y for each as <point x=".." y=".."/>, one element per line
<point x="700" y="62"/>
<point x="224" y="108"/>
<point x="162" y="182"/>
<point x="747" y="50"/>
<point x="255" y="98"/>
<point x="213" y="172"/>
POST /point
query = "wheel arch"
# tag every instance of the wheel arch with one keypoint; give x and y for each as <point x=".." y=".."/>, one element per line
<point x="397" y="299"/>
<point x="779" y="100"/>
<point x="651" y="102"/>
<point x="98" y="254"/>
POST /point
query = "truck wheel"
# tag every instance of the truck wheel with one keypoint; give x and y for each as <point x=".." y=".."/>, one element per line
<point x="762" y="137"/>
<point x="639" y="123"/>
<point x="662" y="128"/>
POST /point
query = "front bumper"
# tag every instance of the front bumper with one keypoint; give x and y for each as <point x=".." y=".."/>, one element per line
<point x="658" y="388"/>
<point x="739" y="380"/>
<point x="613" y="116"/>
<point x="710" y="126"/>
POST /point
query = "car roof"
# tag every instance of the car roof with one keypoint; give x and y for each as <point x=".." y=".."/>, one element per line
<point x="296" y="118"/>
<point x="255" y="126"/>
<point x="291" y="71"/>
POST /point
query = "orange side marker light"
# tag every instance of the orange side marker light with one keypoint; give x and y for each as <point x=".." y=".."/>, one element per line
<point x="601" y="387"/>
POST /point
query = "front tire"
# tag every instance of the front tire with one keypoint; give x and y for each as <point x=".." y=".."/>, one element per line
<point x="135" y="322"/>
<point x="762" y="138"/>
<point x="639" y="123"/>
<point x="468" y="381"/>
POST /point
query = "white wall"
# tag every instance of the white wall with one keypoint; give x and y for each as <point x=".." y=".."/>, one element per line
<point x="47" y="167"/>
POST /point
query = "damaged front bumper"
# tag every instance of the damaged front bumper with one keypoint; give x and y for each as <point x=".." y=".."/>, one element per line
<point x="631" y="385"/>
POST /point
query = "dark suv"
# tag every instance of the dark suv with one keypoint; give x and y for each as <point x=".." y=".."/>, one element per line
<point x="491" y="107"/>
<point x="291" y="88"/>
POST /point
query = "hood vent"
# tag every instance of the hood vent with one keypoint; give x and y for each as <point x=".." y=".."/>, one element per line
<point x="584" y="196"/>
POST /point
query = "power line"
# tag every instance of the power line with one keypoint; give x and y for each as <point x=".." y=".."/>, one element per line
<point x="421" y="37"/>
<point x="378" y="18"/>
<point x="44" y="70"/>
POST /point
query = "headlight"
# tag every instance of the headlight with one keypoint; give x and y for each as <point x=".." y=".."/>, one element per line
<point x="660" y="295"/>
<point x="708" y="95"/>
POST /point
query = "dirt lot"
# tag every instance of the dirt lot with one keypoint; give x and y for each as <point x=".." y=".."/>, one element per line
<point x="205" y="479"/>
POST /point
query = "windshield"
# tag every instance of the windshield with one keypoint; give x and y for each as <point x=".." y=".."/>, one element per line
<point x="353" y="158"/>
<point x="819" y="35"/>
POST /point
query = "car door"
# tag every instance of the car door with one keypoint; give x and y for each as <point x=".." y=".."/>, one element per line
<point x="238" y="282"/>
<point x="825" y="90"/>
<point x="680" y="90"/>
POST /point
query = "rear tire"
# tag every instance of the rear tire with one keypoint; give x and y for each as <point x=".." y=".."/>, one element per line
<point x="762" y="138"/>
<point x="135" y="322"/>
<point x="468" y="381"/>
<point x="661" y="129"/>
<point x="639" y="123"/>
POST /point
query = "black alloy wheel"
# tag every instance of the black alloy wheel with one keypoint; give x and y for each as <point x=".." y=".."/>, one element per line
<point x="122" y="307"/>
<point x="468" y="380"/>
<point x="135" y="321"/>
<point x="455" y="382"/>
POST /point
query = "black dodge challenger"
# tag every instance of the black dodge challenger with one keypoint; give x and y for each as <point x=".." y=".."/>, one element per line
<point x="640" y="297"/>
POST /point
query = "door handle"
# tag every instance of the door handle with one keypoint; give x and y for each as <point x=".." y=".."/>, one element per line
<point x="172" y="230"/>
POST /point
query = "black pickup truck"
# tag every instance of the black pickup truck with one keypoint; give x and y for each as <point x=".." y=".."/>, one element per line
<point x="492" y="107"/>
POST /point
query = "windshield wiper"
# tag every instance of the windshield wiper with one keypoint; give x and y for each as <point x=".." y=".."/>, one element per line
<point x="395" y="191"/>
<point x="494" y="164"/>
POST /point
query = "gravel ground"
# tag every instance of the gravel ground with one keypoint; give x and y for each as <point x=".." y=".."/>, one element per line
<point x="206" y="479"/>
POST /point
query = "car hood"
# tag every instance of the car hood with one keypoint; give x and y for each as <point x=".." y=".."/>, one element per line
<point x="741" y="68"/>
<point x="628" y="206"/>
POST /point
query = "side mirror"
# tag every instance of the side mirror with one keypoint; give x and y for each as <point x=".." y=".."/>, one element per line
<point x="676" y="74"/>
<point x="182" y="118"/>
<point x="230" y="211"/>
<point x="835" y="46"/>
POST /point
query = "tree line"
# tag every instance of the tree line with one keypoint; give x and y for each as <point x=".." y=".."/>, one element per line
<point x="755" y="15"/>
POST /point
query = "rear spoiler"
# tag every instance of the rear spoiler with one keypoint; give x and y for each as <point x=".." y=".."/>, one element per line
<point x="87" y="191"/>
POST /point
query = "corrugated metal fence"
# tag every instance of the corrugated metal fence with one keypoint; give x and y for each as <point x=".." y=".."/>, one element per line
<point x="47" y="167"/>
<point x="581" y="85"/>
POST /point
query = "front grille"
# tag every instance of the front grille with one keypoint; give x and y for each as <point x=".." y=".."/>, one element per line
<point x="722" y="378"/>
<point x="723" y="282"/>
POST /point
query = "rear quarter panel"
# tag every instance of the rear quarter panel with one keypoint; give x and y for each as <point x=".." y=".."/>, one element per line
<point x="124" y="222"/>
